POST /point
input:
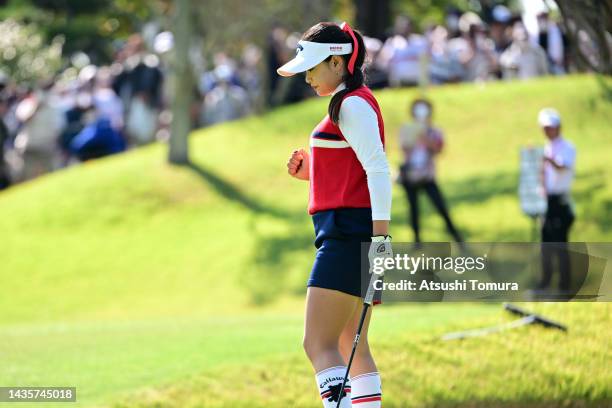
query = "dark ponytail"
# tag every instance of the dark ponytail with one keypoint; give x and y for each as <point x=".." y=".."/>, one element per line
<point x="332" y="33"/>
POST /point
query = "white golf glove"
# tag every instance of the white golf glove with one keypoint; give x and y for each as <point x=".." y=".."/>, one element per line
<point x="380" y="248"/>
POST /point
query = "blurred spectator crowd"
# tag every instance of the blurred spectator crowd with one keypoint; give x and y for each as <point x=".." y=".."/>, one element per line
<point x="90" y="111"/>
<point x="497" y="45"/>
<point x="470" y="48"/>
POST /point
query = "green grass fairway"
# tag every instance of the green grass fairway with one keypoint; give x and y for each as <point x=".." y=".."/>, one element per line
<point x="530" y="367"/>
<point x="144" y="284"/>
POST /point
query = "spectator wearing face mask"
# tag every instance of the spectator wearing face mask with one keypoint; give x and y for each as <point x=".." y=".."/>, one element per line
<point x="451" y="21"/>
<point x="404" y="54"/>
<point x="420" y="142"/>
<point x="500" y="32"/>
<point x="475" y="49"/>
<point x="225" y="101"/>
<point x="523" y="59"/>
<point x="38" y="139"/>
<point x="444" y="66"/>
<point x="500" y="28"/>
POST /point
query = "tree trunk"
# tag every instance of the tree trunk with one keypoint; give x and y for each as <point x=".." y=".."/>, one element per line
<point x="181" y="103"/>
<point x="373" y="17"/>
<point x="588" y="24"/>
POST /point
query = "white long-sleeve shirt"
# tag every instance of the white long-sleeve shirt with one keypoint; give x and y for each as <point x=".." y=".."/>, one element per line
<point x="359" y="125"/>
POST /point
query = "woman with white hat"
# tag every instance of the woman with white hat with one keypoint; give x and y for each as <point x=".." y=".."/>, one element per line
<point x="350" y="202"/>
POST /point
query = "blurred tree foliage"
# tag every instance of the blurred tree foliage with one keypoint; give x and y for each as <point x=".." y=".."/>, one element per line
<point x="230" y="24"/>
<point x="94" y="26"/>
<point x="90" y="26"/>
<point x="24" y="54"/>
<point x="588" y="24"/>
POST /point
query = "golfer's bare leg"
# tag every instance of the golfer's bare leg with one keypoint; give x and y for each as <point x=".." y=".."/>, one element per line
<point x="363" y="362"/>
<point x="327" y="314"/>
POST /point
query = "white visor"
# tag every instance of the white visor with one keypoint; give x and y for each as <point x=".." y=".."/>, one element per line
<point x="310" y="54"/>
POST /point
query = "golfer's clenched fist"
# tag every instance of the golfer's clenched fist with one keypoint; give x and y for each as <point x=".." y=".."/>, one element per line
<point x="298" y="164"/>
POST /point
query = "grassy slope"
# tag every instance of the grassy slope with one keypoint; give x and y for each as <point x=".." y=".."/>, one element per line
<point x="527" y="368"/>
<point x="124" y="266"/>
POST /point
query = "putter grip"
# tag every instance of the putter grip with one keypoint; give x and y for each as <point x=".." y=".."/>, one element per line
<point x="369" y="297"/>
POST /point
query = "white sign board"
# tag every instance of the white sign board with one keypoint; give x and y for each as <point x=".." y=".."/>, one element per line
<point x="531" y="186"/>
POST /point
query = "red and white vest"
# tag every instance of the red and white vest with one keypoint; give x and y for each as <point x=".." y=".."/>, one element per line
<point x="337" y="178"/>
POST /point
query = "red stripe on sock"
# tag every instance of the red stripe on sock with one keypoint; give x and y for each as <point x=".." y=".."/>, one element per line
<point x="327" y="394"/>
<point x="369" y="399"/>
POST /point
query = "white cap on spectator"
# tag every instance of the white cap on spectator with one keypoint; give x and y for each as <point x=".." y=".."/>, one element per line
<point x="310" y="54"/>
<point x="163" y="42"/>
<point x="501" y="14"/>
<point x="549" y="117"/>
<point x="467" y="20"/>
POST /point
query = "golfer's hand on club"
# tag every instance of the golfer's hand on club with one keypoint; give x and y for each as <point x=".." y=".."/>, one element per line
<point x="299" y="164"/>
<point x="380" y="249"/>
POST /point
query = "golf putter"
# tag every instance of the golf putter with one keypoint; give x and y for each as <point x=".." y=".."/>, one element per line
<point x="367" y="302"/>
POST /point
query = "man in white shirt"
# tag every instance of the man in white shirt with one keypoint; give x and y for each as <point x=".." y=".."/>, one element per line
<point x="559" y="169"/>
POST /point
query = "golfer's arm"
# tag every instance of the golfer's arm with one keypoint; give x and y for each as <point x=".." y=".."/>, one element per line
<point x="380" y="227"/>
<point x="359" y="125"/>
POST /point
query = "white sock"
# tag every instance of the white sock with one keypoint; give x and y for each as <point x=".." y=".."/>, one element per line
<point x="329" y="382"/>
<point x="366" y="391"/>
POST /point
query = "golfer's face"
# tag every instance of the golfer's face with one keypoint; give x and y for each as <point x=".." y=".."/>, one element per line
<point x="322" y="79"/>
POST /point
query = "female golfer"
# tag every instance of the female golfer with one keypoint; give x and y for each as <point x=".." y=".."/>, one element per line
<point x="350" y="202"/>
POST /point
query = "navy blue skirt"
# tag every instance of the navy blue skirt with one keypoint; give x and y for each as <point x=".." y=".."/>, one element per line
<point x="339" y="234"/>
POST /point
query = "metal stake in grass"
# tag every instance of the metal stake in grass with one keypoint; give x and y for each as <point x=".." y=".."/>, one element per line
<point x="537" y="319"/>
<point x="527" y="318"/>
<point x="367" y="302"/>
